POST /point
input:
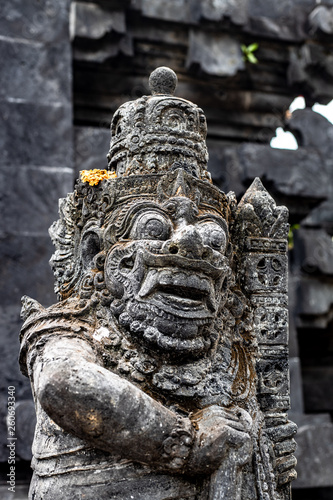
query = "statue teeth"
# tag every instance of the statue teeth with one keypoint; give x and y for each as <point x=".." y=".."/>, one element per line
<point x="165" y="278"/>
<point x="178" y="278"/>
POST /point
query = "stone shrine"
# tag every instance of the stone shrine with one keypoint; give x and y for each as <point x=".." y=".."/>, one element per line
<point x="162" y="372"/>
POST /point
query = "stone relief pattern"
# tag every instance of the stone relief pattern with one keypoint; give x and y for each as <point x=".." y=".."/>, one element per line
<point x="263" y="269"/>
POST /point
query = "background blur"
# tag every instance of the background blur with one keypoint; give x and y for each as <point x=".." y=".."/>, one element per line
<point x="67" y="66"/>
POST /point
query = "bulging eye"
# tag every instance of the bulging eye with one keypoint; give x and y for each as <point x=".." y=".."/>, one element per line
<point x="151" y="227"/>
<point x="213" y="235"/>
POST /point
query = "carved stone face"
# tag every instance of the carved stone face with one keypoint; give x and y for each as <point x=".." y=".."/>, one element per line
<point x="169" y="272"/>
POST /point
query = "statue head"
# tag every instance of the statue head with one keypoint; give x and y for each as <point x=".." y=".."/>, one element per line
<point x="151" y="242"/>
<point x="166" y="265"/>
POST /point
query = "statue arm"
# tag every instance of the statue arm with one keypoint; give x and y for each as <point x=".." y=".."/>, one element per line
<point x="107" y="411"/>
<point x="112" y="414"/>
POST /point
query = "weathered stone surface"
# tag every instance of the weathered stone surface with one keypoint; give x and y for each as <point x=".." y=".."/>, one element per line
<point x="21" y="492"/>
<point x="314" y="251"/>
<point x="285" y="20"/>
<point x="105" y="51"/>
<point x="312" y="130"/>
<point x="225" y="167"/>
<point x="9" y="322"/>
<point x="216" y="54"/>
<point x="154" y="314"/>
<point x="36" y="128"/>
<point x="236" y="10"/>
<point x="321" y="216"/>
<point x="36" y="131"/>
<point x="311" y="419"/>
<point x="38" y="189"/>
<point x="109" y="68"/>
<point x="25" y="417"/>
<point x="292" y="173"/>
<point x="182" y="10"/>
<point x="93" y="21"/>
<point x="91" y="147"/>
<point x="36" y="20"/>
<point x="260" y="22"/>
<point x="296" y="390"/>
<point x="315" y="299"/>
<point x="43" y="69"/>
<point x="317" y="381"/>
<point x="25" y="257"/>
<point x="303" y="72"/>
<point x="314" y="455"/>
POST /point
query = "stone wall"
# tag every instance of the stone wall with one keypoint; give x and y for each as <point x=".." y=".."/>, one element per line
<point x="115" y="45"/>
<point x="36" y="168"/>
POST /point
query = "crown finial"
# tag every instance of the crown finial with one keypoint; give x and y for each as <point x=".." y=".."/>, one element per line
<point x="163" y="80"/>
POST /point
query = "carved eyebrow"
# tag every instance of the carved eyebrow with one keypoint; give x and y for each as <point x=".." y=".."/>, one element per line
<point x="133" y="215"/>
<point x="214" y="218"/>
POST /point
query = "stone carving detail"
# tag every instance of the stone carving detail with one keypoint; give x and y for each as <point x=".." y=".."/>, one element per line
<point x="162" y="371"/>
<point x="263" y="267"/>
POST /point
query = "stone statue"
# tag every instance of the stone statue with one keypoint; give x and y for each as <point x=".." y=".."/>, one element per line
<point x="162" y="372"/>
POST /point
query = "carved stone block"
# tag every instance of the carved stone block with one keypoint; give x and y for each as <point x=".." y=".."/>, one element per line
<point x="271" y="324"/>
<point x="273" y="378"/>
<point x="265" y="272"/>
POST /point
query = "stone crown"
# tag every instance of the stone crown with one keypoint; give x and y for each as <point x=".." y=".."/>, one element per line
<point x="159" y="133"/>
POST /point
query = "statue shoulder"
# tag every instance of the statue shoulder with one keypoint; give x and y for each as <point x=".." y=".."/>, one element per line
<point x="71" y="317"/>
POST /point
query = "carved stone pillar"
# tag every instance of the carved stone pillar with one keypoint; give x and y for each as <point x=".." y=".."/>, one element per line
<point x="264" y="276"/>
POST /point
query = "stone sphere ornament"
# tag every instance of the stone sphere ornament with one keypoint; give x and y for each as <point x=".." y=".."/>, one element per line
<point x="162" y="371"/>
<point x="163" y="81"/>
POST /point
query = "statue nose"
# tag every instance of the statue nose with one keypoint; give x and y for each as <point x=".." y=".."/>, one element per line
<point x="187" y="242"/>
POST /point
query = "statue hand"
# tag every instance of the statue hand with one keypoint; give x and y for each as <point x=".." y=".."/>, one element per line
<point x="219" y="430"/>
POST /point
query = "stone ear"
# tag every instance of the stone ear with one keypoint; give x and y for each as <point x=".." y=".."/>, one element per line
<point x="90" y="246"/>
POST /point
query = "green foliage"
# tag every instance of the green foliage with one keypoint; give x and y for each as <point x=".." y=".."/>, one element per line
<point x="248" y="54"/>
<point x="292" y="229"/>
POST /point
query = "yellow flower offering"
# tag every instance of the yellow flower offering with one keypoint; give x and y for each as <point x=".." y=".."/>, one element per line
<point x="95" y="176"/>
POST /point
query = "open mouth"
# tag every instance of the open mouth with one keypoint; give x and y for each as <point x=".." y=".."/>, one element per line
<point x="187" y="293"/>
<point x="180" y="293"/>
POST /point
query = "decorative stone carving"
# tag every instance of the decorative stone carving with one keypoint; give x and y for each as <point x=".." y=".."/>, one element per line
<point x="162" y="372"/>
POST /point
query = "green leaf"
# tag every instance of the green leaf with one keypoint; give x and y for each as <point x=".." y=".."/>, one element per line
<point x="251" y="58"/>
<point x="253" y="47"/>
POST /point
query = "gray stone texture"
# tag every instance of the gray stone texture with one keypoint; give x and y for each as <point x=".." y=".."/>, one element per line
<point x="36" y="168"/>
<point x="93" y="21"/>
<point x="294" y="57"/>
<point x="91" y="147"/>
<point x="26" y="256"/>
<point x="39" y="21"/>
<point x="21" y="493"/>
<point x="157" y="277"/>
<point x="36" y="129"/>
<point x="216" y="54"/>
<point x="42" y="68"/>
<point x="315" y="455"/>
<point x="9" y="322"/>
<point x="38" y="189"/>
